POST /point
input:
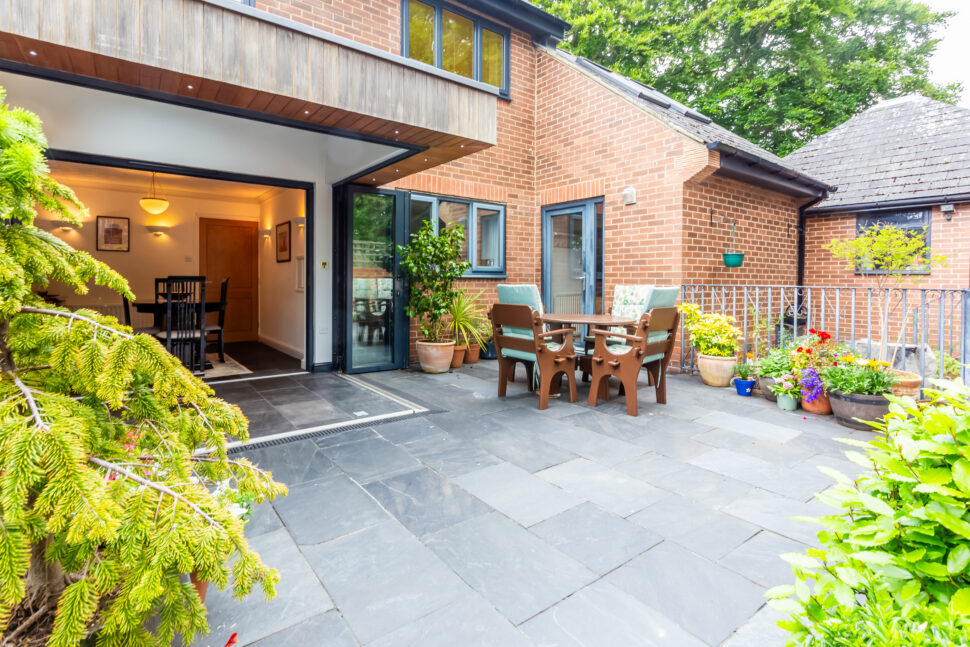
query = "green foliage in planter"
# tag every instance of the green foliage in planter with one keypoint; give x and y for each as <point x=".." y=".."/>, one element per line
<point x="467" y="318"/>
<point x="893" y="566"/>
<point x="433" y="262"/>
<point x="103" y="503"/>
<point x="711" y="333"/>
<point x="776" y="363"/>
<point x="743" y="370"/>
<point x="867" y="377"/>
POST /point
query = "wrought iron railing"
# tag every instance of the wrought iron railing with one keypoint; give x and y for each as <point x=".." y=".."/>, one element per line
<point x="922" y="330"/>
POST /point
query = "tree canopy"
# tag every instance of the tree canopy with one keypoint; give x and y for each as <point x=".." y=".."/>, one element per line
<point x="778" y="72"/>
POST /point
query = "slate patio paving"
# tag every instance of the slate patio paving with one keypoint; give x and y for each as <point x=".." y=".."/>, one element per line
<point x="486" y="522"/>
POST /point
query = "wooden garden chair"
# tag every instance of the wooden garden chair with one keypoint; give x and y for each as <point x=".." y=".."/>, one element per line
<point x="651" y="348"/>
<point x="528" y="343"/>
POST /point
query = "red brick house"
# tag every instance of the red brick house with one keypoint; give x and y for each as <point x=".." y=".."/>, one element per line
<point x="384" y="114"/>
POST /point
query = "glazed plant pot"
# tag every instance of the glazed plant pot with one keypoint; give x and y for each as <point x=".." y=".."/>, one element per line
<point x="435" y="357"/>
<point x="764" y="382"/>
<point x="786" y="402"/>
<point x="820" y="406"/>
<point x="744" y="387"/>
<point x="716" y="371"/>
<point x="458" y="357"/>
<point x="471" y="354"/>
<point x="907" y="383"/>
<point x="847" y="407"/>
<point x="488" y="351"/>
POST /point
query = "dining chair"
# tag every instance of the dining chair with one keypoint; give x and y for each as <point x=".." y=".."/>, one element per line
<point x="184" y="333"/>
<point x="126" y="309"/>
<point x="535" y="347"/>
<point x="651" y="348"/>
<point x="219" y="328"/>
<point x="523" y="294"/>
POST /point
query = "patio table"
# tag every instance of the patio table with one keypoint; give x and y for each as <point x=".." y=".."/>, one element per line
<point x="580" y="319"/>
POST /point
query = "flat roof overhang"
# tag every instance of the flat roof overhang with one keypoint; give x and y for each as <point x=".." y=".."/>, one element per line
<point x="226" y="57"/>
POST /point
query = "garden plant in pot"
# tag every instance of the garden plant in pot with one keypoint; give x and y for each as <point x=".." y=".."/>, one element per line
<point x="772" y="366"/>
<point x="467" y="325"/>
<point x="715" y="338"/>
<point x="812" y="354"/>
<point x="744" y="382"/>
<point x="857" y="389"/>
<point x="432" y="263"/>
<point x="488" y="346"/>
<point x="787" y="391"/>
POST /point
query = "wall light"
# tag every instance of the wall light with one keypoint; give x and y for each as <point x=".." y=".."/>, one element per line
<point x="300" y="221"/>
<point x="63" y="225"/>
<point x="157" y="230"/>
<point x="266" y="232"/>
<point x="947" y="210"/>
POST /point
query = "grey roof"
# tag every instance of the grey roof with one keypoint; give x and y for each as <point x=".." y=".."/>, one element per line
<point x="907" y="149"/>
<point x="692" y="122"/>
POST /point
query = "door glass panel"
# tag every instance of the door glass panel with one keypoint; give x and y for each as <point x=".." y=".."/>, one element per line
<point x="493" y="58"/>
<point x="457" y="44"/>
<point x="372" y="291"/>
<point x="599" y="305"/>
<point x="454" y="213"/>
<point x="487" y="237"/>
<point x="421" y="32"/>
<point x="566" y="278"/>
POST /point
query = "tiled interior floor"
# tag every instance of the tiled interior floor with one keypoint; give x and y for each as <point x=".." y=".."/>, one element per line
<point x="491" y="523"/>
<point x="258" y="358"/>
<point x="286" y="403"/>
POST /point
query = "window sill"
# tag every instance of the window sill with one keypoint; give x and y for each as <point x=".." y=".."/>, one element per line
<point x="485" y="275"/>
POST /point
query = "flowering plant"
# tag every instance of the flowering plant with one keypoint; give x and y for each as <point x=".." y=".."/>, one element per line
<point x="864" y="376"/>
<point x="786" y="385"/>
<point x="775" y="364"/>
<point x="816" y="350"/>
<point x="711" y="333"/>
<point x="811" y="384"/>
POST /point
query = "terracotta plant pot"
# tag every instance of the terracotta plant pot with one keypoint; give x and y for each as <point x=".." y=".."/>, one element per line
<point x="763" y="384"/>
<point x="471" y="354"/>
<point x="849" y="406"/>
<point x="716" y="371"/>
<point x="201" y="586"/>
<point x="435" y="357"/>
<point x="907" y="383"/>
<point x="820" y="406"/>
<point x="786" y="402"/>
<point x="458" y="356"/>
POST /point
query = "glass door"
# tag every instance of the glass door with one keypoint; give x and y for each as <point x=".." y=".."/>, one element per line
<point x="572" y="257"/>
<point x="377" y="328"/>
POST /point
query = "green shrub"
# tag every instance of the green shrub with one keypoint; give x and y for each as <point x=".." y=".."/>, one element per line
<point x="858" y="376"/>
<point x="744" y="370"/>
<point x="893" y="567"/>
<point x="711" y="333"/>
<point x="776" y="363"/>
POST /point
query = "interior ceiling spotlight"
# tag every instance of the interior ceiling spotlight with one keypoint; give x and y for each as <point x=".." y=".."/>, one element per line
<point x="152" y="203"/>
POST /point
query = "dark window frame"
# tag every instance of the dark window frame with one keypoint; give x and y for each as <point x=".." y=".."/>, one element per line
<point x="481" y="271"/>
<point x="898" y="219"/>
<point x="479" y="24"/>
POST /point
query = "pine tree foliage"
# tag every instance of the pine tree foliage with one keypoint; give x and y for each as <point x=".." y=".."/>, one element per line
<point x="100" y="474"/>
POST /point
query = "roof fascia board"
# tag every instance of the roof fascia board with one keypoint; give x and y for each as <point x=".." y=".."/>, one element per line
<point x="887" y="205"/>
<point x="742" y="161"/>
<point x="527" y="17"/>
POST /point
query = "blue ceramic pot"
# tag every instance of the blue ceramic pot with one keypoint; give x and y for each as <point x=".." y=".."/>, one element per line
<point x="743" y="387"/>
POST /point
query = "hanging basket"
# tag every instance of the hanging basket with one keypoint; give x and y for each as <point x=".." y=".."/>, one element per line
<point x="733" y="259"/>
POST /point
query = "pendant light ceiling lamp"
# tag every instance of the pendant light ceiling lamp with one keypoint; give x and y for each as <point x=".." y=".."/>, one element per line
<point x="152" y="203"/>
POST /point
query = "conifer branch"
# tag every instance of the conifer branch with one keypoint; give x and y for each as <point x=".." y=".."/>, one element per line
<point x="31" y="402"/>
<point x="73" y="316"/>
<point x="25" y="625"/>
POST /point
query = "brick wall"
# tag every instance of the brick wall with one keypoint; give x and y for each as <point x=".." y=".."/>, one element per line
<point x="371" y="22"/>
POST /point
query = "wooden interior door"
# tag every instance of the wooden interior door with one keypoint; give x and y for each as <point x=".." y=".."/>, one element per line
<point x="228" y="248"/>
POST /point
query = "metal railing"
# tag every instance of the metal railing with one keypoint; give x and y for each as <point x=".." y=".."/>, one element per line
<point x="922" y="330"/>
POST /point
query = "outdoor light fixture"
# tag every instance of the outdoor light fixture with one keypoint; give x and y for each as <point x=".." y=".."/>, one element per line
<point x="157" y="230"/>
<point x="152" y="203"/>
<point x="300" y="221"/>
<point x="947" y="210"/>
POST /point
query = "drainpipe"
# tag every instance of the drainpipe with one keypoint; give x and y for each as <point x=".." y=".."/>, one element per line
<point x="802" y="218"/>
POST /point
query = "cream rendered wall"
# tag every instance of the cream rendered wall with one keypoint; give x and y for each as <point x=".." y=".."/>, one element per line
<point x="281" y="301"/>
<point x="174" y="252"/>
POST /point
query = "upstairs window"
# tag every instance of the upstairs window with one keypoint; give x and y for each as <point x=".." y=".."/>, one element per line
<point x="448" y="38"/>
<point x="915" y="223"/>
<point x="484" y="225"/>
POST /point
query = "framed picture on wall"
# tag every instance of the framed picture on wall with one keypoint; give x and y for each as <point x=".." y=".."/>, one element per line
<point x="112" y="234"/>
<point x="283" y="242"/>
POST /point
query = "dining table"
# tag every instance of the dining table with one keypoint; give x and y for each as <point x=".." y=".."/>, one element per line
<point x="158" y="309"/>
<point x="591" y="320"/>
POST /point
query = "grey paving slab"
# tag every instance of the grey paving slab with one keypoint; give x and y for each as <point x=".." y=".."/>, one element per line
<point x="468" y="621"/>
<point x="293" y="463"/>
<point x="425" y="502"/>
<point x="758" y="559"/>
<point x="407" y="430"/>
<point x="464" y="426"/>
<point x="516" y="571"/>
<point x="602" y="614"/>
<point x="705" y="599"/>
<point x="787" y="453"/>
<point x="774" y="512"/>
<point x="372" y="459"/>
<point x="451" y="456"/>
<point x="517" y="494"/>
<point x="610" y="489"/>
<point x="695" y="526"/>
<point x="518" y="448"/>
<point x="299" y="596"/>
<point x="761" y="630"/>
<point x="382" y="579"/>
<point x="745" y="425"/>
<point x="592" y="445"/>
<point x="685" y="479"/>
<point x="311" y="413"/>
<point x="263" y="520"/>
<point x="596" y="538"/>
<point x="796" y="484"/>
<point x="322" y="510"/>
<point x="325" y="630"/>
<point x="344" y="437"/>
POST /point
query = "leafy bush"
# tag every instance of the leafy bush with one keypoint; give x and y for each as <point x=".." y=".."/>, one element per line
<point x="743" y="370"/>
<point x="858" y="376"/>
<point x="776" y="363"/>
<point x="467" y="318"/>
<point x="711" y="333"/>
<point x="816" y="350"/>
<point x="893" y="566"/>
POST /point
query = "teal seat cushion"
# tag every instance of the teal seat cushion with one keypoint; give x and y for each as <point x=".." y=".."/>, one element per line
<point x="512" y="353"/>
<point x="652" y="358"/>
<point x="662" y="297"/>
<point x="521" y="294"/>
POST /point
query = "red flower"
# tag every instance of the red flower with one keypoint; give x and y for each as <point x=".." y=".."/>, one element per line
<point x="808" y="350"/>
<point x="799" y="349"/>
<point x="812" y="330"/>
<point x="232" y="640"/>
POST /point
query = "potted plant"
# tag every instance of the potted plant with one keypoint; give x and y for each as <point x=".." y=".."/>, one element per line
<point x="715" y="338"/>
<point x="467" y="318"/>
<point x="814" y="398"/>
<point x="787" y="391"/>
<point x="488" y="347"/>
<point x="770" y="367"/>
<point x="742" y="383"/>
<point x="857" y="390"/>
<point x="432" y="263"/>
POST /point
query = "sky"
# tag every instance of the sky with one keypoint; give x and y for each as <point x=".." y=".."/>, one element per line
<point x="951" y="62"/>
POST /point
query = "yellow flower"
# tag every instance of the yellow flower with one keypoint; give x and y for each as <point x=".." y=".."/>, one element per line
<point x="883" y="363"/>
<point x="848" y="359"/>
<point x="873" y="363"/>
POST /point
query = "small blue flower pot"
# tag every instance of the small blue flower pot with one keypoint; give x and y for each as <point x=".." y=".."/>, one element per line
<point x="743" y="387"/>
